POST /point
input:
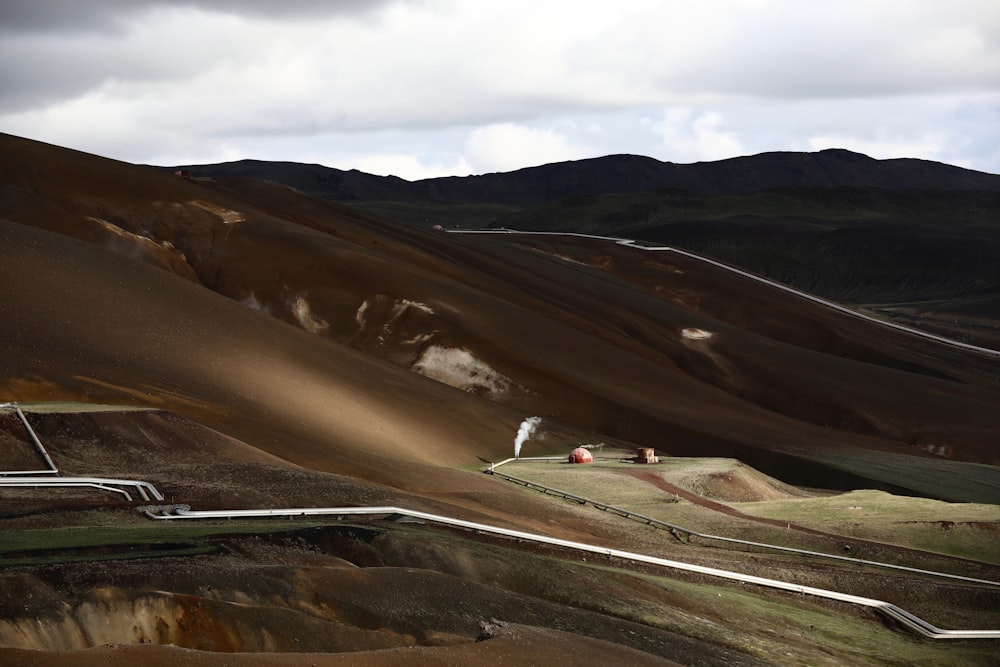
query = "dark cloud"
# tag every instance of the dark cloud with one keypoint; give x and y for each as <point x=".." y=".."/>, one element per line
<point x="204" y="80"/>
<point x="102" y="15"/>
<point x="44" y="15"/>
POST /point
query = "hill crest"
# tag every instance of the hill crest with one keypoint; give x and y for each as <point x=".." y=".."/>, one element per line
<point x="534" y="186"/>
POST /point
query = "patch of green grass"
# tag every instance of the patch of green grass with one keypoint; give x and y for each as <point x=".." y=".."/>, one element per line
<point x="73" y="556"/>
<point x="778" y="628"/>
<point x="118" y="530"/>
<point x="602" y="481"/>
<point x="805" y="631"/>
<point x="966" y="530"/>
<point x="956" y="481"/>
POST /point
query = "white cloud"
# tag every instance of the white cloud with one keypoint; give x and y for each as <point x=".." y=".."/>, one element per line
<point x="508" y="146"/>
<point x="690" y="137"/>
<point x="409" y="167"/>
<point x="424" y="86"/>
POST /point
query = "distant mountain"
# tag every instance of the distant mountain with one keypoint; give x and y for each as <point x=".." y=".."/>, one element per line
<point x="917" y="240"/>
<point x="855" y="245"/>
<point x="536" y="186"/>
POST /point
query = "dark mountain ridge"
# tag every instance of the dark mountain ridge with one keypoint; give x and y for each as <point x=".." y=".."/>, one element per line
<point x="912" y="239"/>
<point x="535" y="186"/>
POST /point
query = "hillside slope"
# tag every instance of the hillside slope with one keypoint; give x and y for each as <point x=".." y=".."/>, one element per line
<point x="585" y="333"/>
<point x="915" y="240"/>
<point x="287" y="351"/>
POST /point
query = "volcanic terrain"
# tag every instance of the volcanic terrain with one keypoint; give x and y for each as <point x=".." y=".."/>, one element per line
<point x="268" y="348"/>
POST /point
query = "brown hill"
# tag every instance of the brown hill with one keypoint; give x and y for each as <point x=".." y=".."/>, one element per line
<point x="878" y="233"/>
<point x="585" y="333"/>
<point x="297" y="352"/>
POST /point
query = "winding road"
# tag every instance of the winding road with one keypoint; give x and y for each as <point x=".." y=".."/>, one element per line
<point x="640" y="245"/>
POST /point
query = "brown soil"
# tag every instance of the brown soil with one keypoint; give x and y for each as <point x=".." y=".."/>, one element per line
<point x="514" y="644"/>
<point x="240" y="312"/>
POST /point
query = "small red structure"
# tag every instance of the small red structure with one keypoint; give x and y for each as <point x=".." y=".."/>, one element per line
<point x="646" y="455"/>
<point x="581" y="455"/>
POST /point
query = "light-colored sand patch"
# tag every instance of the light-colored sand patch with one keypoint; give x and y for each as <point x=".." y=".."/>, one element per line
<point x="227" y="216"/>
<point x="404" y="304"/>
<point x="559" y="255"/>
<point x="359" y="317"/>
<point x="660" y="266"/>
<point x="306" y="318"/>
<point x="401" y="309"/>
<point x="143" y="242"/>
<point x="419" y="338"/>
<point x="457" y="367"/>
<point x="567" y="258"/>
<point x="251" y="301"/>
<point x="696" y="334"/>
<point x="940" y="449"/>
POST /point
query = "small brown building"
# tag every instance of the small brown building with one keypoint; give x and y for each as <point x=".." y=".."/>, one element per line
<point x="646" y="455"/>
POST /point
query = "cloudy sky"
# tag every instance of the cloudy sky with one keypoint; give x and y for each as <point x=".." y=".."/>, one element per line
<point x="421" y="88"/>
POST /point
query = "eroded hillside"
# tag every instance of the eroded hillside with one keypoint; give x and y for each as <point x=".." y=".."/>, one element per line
<point x="292" y="352"/>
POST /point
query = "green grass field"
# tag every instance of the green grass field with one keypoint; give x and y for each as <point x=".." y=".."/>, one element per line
<point x="966" y="530"/>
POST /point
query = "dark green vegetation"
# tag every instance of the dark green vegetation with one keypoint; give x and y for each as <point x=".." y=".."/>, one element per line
<point x="922" y="256"/>
<point x="914" y="241"/>
<point x="850" y="245"/>
<point x="339" y="587"/>
<point x="95" y="535"/>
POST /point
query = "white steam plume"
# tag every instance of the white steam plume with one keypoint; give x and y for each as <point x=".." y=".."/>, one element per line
<point x="525" y="431"/>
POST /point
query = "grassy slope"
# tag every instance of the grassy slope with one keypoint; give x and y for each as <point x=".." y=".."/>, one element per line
<point x="608" y="601"/>
<point x="964" y="530"/>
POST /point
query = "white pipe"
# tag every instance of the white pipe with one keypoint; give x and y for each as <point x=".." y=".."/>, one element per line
<point x="632" y="243"/>
<point x="146" y="490"/>
<point x="911" y="621"/>
<point x="694" y="533"/>
<point x="49" y="483"/>
<point x="52" y="470"/>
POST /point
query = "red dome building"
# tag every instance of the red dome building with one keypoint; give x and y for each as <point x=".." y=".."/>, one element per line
<point x="581" y="455"/>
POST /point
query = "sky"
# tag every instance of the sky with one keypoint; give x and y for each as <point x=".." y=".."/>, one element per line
<point x="426" y="88"/>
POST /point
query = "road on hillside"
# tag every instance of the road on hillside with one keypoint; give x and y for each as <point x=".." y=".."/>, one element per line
<point x="639" y="245"/>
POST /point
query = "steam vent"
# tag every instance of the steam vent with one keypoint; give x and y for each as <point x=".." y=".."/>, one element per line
<point x="581" y="455"/>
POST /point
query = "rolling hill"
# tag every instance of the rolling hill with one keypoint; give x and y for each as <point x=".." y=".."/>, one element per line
<point x="296" y="350"/>
<point x="914" y="240"/>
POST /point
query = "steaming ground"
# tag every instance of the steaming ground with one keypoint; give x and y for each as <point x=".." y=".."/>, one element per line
<point x="524" y="432"/>
<point x="457" y="367"/>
